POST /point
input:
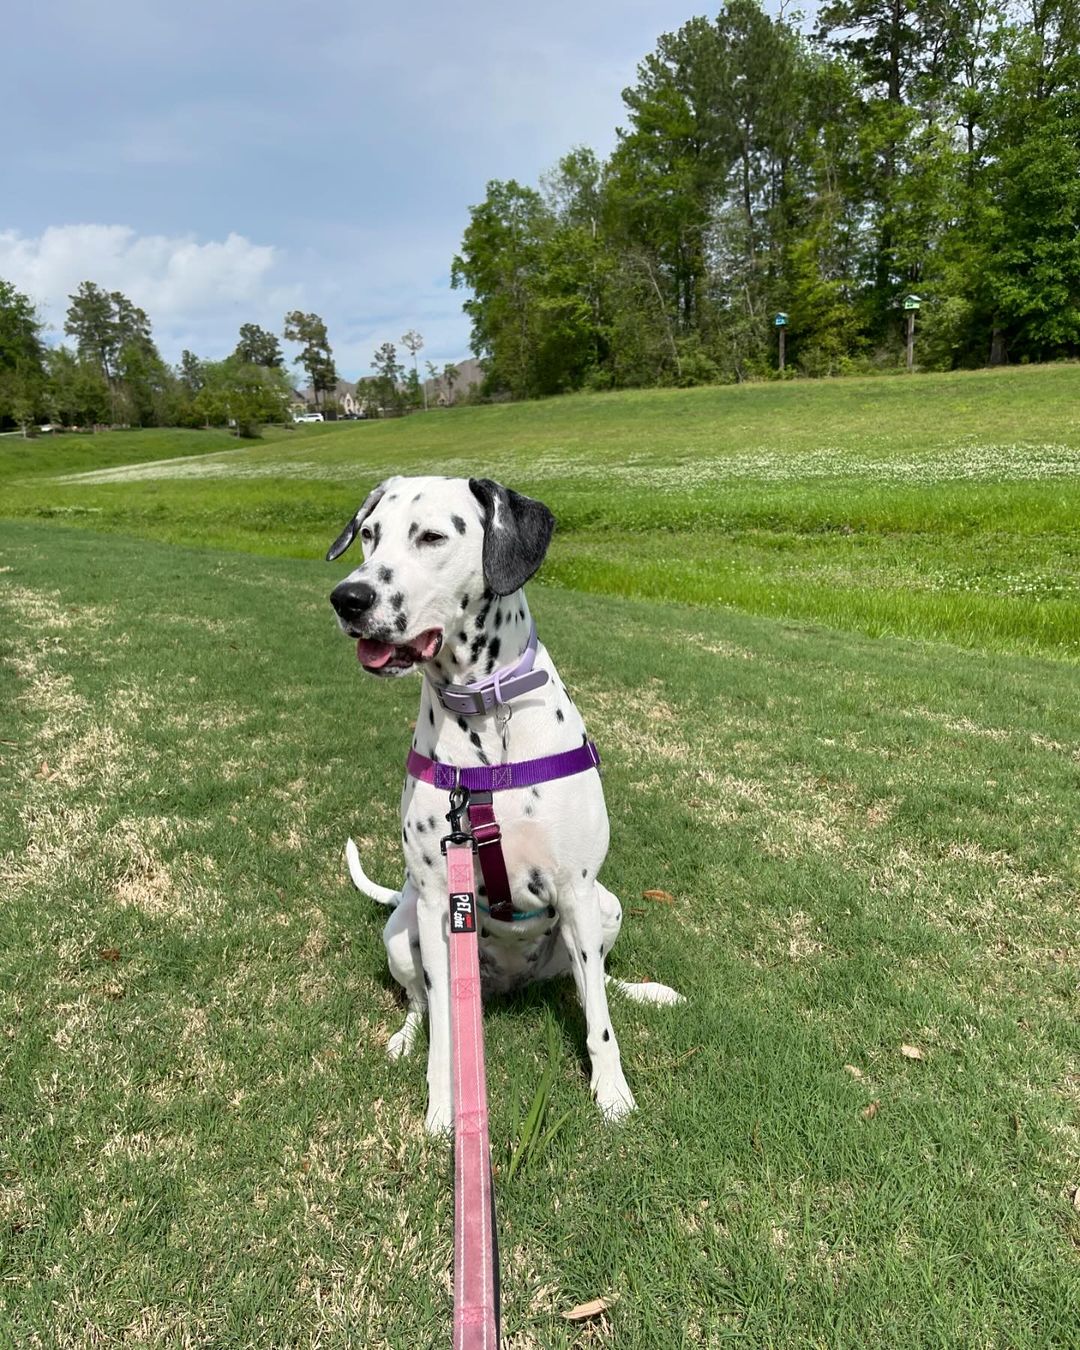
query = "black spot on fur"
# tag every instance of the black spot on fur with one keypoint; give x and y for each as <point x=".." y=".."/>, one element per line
<point x="521" y="611"/>
<point x="464" y="602"/>
<point x="431" y="716"/>
<point x="584" y="871"/>
<point x="559" y="715"/>
<point x="494" y="647"/>
<point x="463" y="724"/>
<point x="398" y="600"/>
<point x="431" y="822"/>
<point x="475" y="738"/>
<point x="420" y="827"/>
<point x="417" y="497"/>
<point x="477" y="646"/>
<point x="386" y="574"/>
<point x="413" y="528"/>
<point x="427" y="861"/>
<point x="584" y="957"/>
<point x="427" y="979"/>
<point x="463" y="637"/>
<point x="482" y="757"/>
<point x="607" y="1034"/>
<point x="458" y="524"/>
<point x="401" y="622"/>
<point x="403" y="836"/>
<point x="528" y="810"/>
<point x="535" y="792"/>
<point x="498" y="618"/>
<point x="376" y="535"/>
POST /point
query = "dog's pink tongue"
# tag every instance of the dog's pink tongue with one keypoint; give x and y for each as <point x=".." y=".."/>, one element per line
<point x="373" y="654"/>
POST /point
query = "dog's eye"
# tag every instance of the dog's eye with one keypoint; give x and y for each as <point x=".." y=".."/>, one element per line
<point x="431" y="537"/>
<point x="365" y="534"/>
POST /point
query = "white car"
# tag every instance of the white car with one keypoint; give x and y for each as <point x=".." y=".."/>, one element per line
<point x="307" y="417"/>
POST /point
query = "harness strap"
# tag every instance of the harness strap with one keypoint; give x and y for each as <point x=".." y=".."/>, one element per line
<point x="497" y="777"/>
<point x="488" y="836"/>
<point x="476" y="1246"/>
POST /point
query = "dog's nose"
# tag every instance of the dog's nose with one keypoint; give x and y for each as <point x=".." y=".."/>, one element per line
<point x="352" y="599"/>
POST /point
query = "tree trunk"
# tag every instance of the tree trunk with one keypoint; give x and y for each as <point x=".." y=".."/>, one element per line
<point x="998" y="355"/>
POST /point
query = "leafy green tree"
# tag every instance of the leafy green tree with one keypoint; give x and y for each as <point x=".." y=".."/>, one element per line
<point x="242" y="395"/>
<point x="385" y="383"/>
<point x="75" y="391"/>
<point x="22" y="353"/>
<point x="191" y="374"/>
<point x="316" y="356"/>
<point x="258" y="347"/>
<point x="1030" y="266"/>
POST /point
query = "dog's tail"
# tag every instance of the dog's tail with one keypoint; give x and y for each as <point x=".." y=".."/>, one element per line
<point x="648" y="992"/>
<point x="363" y="882"/>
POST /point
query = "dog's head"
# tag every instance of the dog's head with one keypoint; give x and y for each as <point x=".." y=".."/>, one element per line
<point x="433" y="548"/>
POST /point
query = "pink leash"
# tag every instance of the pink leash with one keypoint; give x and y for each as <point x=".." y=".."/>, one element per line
<point x="476" y="1250"/>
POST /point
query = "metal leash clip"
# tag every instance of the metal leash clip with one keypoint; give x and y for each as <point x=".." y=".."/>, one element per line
<point x="459" y="804"/>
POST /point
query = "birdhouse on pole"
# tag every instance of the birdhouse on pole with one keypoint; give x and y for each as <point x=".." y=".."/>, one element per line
<point x="780" y="322"/>
<point x="911" y="305"/>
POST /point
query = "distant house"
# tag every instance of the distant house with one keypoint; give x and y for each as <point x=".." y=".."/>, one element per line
<point x="343" y="394"/>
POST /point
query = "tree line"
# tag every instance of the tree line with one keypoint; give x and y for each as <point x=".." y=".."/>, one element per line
<point x="929" y="148"/>
<point x="113" y="374"/>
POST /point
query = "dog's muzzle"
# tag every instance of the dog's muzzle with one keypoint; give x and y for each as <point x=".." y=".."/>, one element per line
<point x="352" y="600"/>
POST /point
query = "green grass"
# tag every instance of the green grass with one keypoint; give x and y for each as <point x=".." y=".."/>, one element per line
<point x="871" y="843"/>
<point x="943" y="507"/>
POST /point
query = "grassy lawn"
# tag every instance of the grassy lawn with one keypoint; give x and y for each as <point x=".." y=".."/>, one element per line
<point x="871" y="840"/>
<point x="946" y="506"/>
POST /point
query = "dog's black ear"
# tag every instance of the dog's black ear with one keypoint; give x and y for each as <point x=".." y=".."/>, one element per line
<point x="517" y="531"/>
<point x="349" y="533"/>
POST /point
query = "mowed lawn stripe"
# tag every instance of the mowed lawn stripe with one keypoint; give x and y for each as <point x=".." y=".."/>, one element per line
<point x="870" y="845"/>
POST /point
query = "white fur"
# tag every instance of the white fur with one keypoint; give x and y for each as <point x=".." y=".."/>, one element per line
<point x="555" y="837"/>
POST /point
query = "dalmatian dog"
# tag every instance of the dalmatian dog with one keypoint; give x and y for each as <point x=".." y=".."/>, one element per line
<point x="440" y="591"/>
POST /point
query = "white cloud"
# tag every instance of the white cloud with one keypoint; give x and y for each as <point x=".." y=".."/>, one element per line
<point x="180" y="282"/>
<point x="197" y="294"/>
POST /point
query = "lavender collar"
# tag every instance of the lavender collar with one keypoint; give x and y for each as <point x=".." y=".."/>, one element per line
<point x="472" y="700"/>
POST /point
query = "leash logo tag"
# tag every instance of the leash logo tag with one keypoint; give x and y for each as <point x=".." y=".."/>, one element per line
<point x="462" y="912"/>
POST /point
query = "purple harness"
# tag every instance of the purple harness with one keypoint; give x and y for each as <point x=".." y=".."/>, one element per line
<point x="471" y="788"/>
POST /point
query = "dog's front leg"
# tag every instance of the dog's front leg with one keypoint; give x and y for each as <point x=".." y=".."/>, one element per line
<point x="433" y="923"/>
<point x="582" y="932"/>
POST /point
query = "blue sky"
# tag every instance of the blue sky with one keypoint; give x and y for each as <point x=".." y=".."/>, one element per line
<point x="224" y="163"/>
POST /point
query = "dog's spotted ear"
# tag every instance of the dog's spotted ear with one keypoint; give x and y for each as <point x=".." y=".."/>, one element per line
<point x="349" y="533"/>
<point x="517" y="531"/>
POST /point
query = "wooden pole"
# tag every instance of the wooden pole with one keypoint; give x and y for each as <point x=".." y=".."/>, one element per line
<point x="910" y="341"/>
<point x="781" y="331"/>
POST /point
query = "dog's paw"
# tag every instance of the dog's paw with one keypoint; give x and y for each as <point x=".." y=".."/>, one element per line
<point x="613" y="1096"/>
<point x="401" y="1042"/>
<point x="647" y="992"/>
